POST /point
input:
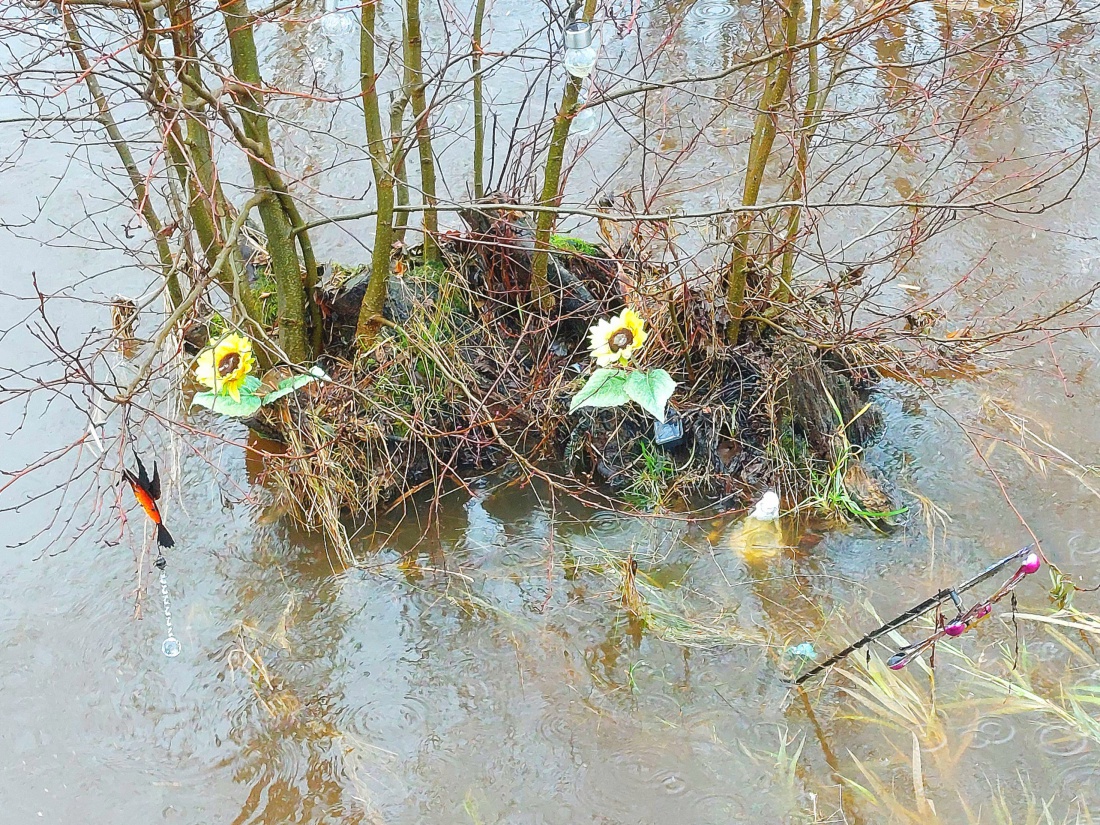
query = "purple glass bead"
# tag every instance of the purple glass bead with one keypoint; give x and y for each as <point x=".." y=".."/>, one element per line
<point x="1031" y="564"/>
<point x="955" y="628"/>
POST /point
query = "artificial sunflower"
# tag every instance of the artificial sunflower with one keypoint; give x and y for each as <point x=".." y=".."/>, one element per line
<point x="225" y="366"/>
<point x="614" y="340"/>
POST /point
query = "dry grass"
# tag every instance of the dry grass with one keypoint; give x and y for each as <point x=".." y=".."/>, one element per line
<point x="467" y="377"/>
<point x="408" y="414"/>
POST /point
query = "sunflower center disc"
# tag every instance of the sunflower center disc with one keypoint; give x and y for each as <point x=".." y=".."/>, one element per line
<point x="228" y="364"/>
<point x="621" y="339"/>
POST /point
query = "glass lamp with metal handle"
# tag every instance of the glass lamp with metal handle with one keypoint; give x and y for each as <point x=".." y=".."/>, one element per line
<point x="580" y="55"/>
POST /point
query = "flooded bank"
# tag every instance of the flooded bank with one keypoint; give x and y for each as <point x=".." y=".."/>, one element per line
<point x="479" y="663"/>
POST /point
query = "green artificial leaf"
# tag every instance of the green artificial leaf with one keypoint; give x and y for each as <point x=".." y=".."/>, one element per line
<point x="287" y="386"/>
<point x="251" y="384"/>
<point x="225" y="405"/>
<point x="651" y="390"/>
<point x="604" y="388"/>
<point x="1061" y="590"/>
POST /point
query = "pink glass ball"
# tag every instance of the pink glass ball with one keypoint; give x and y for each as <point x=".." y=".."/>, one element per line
<point x="955" y="628"/>
<point x="1031" y="564"/>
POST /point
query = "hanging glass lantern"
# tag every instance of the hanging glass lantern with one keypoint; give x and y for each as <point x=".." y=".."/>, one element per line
<point x="580" y="56"/>
<point x="584" y="122"/>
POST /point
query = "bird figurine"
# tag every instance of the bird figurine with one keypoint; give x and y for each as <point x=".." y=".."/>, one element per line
<point x="147" y="491"/>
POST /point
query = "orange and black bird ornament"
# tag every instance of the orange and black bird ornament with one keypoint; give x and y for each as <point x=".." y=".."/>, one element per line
<point x="147" y="491"/>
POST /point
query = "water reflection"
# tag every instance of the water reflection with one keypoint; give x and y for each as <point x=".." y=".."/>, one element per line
<point x="488" y="663"/>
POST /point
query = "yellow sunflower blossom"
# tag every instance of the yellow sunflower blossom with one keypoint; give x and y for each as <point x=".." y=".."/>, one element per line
<point x="614" y="340"/>
<point x="224" y="366"/>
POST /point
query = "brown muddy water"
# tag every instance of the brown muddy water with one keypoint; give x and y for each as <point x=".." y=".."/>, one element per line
<point x="477" y="666"/>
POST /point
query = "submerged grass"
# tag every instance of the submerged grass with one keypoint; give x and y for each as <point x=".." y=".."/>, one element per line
<point x="1016" y="693"/>
<point x="929" y="725"/>
<point x="670" y="612"/>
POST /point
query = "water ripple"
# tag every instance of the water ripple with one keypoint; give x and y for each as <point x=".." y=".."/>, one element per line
<point x="711" y="11"/>
<point x="670" y="782"/>
<point x="993" y="730"/>
<point x="556" y="724"/>
<point x="1083" y="549"/>
<point x="1059" y="740"/>
<point x="1081" y="781"/>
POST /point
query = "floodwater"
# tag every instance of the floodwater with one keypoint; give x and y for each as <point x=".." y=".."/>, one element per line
<point x="477" y="666"/>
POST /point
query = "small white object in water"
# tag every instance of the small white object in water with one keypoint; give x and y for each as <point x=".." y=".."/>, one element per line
<point x="767" y="509"/>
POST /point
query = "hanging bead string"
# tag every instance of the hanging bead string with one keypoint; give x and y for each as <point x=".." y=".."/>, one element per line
<point x="171" y="645"/>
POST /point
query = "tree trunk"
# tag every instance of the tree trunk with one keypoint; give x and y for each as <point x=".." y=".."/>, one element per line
<point x="760" y="148"/>
<point x="415" y="61"/>
<point x="276" y="213"/>
<point x="811" y="116"/>
<point x="551" y="182"/>
<point x="370" y="313"/>
<point x="479" y="105"/>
